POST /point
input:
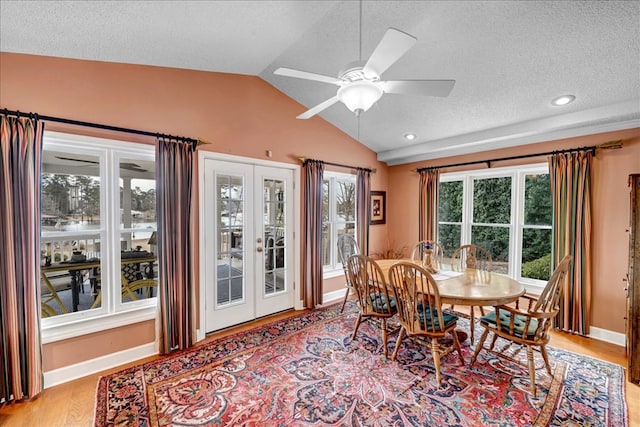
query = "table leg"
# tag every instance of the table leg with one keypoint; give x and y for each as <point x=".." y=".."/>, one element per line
<point x="76" y="278"/>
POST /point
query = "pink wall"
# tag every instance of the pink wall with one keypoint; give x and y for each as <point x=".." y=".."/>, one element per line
<point x="243" y="115"/>
<point x="239" y="115"/>
<point x="610" y="212"/>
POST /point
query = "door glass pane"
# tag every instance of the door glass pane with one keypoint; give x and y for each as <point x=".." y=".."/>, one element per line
<point x="230" y="219"/>
<point x="275" y="264"/>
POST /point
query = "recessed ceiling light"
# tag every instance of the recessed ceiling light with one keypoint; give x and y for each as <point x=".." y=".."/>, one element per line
<point x="409" y="136"/>
<point x="563" y="100"/>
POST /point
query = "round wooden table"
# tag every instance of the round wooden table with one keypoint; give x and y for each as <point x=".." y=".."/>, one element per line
<point x="471" y="287"/>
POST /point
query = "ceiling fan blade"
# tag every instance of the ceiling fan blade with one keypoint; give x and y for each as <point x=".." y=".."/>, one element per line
<point x="318" y="108"/>
<point x="307" y="76"/>
<point x="77" y="160"/>
<point x="419" y="87"/>
<point x="393" y="45"/>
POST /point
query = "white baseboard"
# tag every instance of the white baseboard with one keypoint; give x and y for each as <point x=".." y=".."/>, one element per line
<point x="608" y="336"/>
<point x="82" y="369"/>
<point x="333" y="295"/>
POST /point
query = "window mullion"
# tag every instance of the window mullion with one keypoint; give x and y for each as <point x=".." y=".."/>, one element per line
<point x="517" y="215"/>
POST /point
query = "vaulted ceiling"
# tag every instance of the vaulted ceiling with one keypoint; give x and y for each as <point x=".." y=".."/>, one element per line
<point x="509" y="59"/>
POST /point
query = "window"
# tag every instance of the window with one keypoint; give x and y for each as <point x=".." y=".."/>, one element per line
<point x="338" y="215"/>
<point x="98" y="231"/>
<point x="506" y="210"/>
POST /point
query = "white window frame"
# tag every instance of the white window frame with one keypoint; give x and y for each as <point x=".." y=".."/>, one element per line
<point x="112" y="313"/>
<point x="516" y="227"/>
<point x="334" y="269"/>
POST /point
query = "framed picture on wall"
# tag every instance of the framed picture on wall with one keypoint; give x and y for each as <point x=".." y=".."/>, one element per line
<point x="378" y="207"/>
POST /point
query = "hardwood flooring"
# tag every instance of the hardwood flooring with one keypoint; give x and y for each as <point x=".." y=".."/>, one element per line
<point x="72" y="404"/>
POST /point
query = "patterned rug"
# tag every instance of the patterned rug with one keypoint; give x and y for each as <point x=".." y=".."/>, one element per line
<point x="305" y="370"/>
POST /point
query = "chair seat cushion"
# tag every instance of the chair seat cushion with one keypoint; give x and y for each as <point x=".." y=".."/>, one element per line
<point x="518" y="323"/>
<point x="379" y="303"/>
<point x="432" y="320"/>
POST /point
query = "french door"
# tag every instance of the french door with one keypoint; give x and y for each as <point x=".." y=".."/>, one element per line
<point x="248" y="251"/>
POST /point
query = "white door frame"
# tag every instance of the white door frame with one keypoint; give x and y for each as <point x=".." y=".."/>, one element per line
<point x="202" y="156"/>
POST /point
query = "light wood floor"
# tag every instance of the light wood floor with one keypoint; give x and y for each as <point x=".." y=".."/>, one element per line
<point x="72" y="404"/>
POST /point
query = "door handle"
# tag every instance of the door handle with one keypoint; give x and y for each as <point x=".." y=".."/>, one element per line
<point x="259" y="249"/>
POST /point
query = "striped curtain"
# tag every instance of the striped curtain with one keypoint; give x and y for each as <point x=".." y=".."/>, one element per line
<point x="312" y="234"/>
<point x="363" y="208"/>
<point x="20" y="344"/>
<point x="175" y="252"/>
<point x="428" y="204"/>
<point x="571" y="194"/>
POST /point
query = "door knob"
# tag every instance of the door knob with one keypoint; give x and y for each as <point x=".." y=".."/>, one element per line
<point x="259" y="249"/>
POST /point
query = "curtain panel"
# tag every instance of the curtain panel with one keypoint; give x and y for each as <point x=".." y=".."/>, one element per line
<point x="175" y="245"/>
<point x="20" y="342"/>
<point x="428" y="200"/>
<point x="363" y="208"/>
<point x="312" y="234"/>
<point x="570" y="176"/>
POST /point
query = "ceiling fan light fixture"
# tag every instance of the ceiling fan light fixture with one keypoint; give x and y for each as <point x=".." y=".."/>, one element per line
<point x="360" y="95"/>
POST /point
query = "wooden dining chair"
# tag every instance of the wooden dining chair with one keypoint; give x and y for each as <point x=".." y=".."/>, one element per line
<point x="420" y="311"/>
<point x="437" y="253"/>
<point x="347" y="246"/>
<point x="471" y="257"/>
<point x="376" y="300"/>
<point x="526" y="327"/>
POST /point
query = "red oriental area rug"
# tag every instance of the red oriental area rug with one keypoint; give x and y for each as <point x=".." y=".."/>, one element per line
<point x="305" y="370"/>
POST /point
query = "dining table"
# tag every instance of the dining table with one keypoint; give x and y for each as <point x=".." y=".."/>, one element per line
<point x="469" y="287"/>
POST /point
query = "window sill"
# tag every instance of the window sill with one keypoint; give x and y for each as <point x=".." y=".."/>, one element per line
<point x="80" y="327"/>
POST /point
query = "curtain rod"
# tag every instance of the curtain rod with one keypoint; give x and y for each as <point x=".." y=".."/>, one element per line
<point x="591" y="148"/>
<point x="101" y="126"/>
<point x="303" y="159"/>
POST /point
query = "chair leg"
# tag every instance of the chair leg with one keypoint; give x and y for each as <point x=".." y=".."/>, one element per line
<point x="532" y="370"/>
<point x="483" y="338"/>
<point x="545" y="356"/>
<point x="436" y="359"/>
<point x="472" y="324"/>
<point x="401" y="335"/>
<point x="493" y="341"/>
<point x="344" y="301"/>
<point x="355" y="330"/>
<point x="384" y="336"/>
<point x="456" y="342"/>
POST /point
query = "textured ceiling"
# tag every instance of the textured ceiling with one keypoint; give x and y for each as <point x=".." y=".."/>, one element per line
<point x="509" y="59"/>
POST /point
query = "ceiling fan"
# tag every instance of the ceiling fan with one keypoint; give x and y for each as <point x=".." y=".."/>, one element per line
<point x="123" y="165"/>
<point x="359" y="84"/>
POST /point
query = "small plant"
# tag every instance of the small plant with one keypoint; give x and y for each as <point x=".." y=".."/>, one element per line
<point x="391" y="252"/>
